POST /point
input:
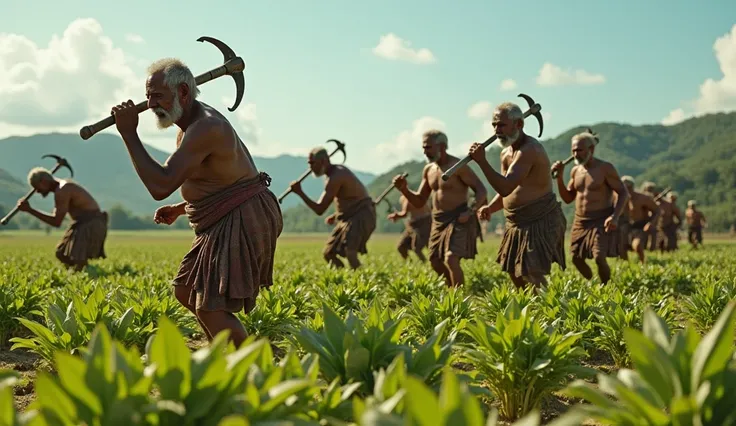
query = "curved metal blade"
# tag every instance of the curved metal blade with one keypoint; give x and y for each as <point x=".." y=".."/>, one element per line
<point x="340" y="147"/>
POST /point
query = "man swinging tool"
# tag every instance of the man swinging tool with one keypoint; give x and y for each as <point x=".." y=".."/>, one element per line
<point x="355" y="215"/>
<point x="85" y="238"/>
<point x="236" y="218"/>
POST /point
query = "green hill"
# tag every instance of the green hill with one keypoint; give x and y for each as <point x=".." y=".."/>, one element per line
<point x="103" y="165"/>
<point x="697" y="158"/>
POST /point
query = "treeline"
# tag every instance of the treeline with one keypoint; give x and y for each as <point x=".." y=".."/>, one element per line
<point x="120" y="218"/>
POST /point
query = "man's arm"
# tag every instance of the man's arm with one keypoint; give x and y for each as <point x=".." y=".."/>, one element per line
<point x="567" y="193"/>
<point x="652" y="206"/>
<point x="162" y="180"/>
<point x="616" y="184"/>
<point x="404" y="208"/>
<point x="496" y="204"/>
<point x="331" y="188"/>
<point x="61" y="207"/>
<point x="420" y="197"/>
<point x="468" y="177"/>
<point x="518" y="170"/>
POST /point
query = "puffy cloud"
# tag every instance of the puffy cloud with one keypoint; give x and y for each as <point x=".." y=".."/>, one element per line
<point x="393" y="47"/>
<point x="76" y="76"/>
<point x="134" y="38"/>
<point x="715" y="95"/>
<point x="480" y="110"/>
<point x="508" y="84"/>
<point x="408" y="144"/>
<point x="674" y="117"/>
<point x="553" y="75"/>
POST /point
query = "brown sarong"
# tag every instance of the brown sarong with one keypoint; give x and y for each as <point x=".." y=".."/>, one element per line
<point x="624" y="230"/>
<point x="232" y="255"/>
<point x="695" y="234"/>
<point x="667" y="237"/>
<point x="588" y="238"/>
<point x="534" y="238"/>
<point x="447" y="236"/>
<point x="354" y="226"/>
<point x="84" y="239"/>
<point x="636" y="232"/>
<point x="416" y="235"/>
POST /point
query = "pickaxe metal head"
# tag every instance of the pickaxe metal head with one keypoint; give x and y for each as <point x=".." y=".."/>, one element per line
<point x="340" y="147"/>
<point x="60" y="162"/>
<point x="389" y="208"/>
<point x="235" y="71"/>
<point x="537" y="113"/>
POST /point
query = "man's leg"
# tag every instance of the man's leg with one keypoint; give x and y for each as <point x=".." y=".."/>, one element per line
<point x="439" y="267"/>
<point x="182" y="295"/>
<point x="217" y="321"/>
<point x="403" y="247"/>
<point x="518" y="281"/>
<point x="638" y="247"/>
<point x="420" y="255"/>
<point x="604" y="271"/>
<point x="452" y="263"/>
<point x="352" y="256"/>
<point x="583" y="267"/>
<point x="332" y="259"/>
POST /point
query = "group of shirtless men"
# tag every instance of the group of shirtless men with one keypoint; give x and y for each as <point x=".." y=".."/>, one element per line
<point x="237" y="219"/>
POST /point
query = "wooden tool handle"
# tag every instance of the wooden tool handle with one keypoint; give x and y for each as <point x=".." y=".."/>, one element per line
<point x="566" y="162"/>
<point x="288" y="190"/>
<point x="87" y="132"/>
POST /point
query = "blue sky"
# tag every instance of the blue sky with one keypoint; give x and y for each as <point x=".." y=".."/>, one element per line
<point x="312" y="73"/>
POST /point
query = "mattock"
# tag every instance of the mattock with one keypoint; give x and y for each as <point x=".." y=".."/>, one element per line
<point x="60" y="162"/>
<point x="340" y="147"/>
<point x="389" y="207"/>
<point x="534" y="109"/>
<point x="662" y="194"/>
<point x="570" y="158"/>
<point x="387" y="190"/>
<point x="233" y="66"/>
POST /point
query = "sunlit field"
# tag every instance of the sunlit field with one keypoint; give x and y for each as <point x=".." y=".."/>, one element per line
<point x="387" y="344"/>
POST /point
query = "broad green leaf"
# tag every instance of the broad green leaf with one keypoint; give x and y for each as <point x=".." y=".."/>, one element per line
<point x="172" y="359"/>
<point x="421" y="403"/>
<point x="716" y="348"/>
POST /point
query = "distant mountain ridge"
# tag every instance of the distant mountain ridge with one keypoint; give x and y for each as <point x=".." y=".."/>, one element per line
<point x="103" y="166"/>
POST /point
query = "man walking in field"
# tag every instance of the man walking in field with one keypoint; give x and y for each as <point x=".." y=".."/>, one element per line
<point x="643" y="216"/>
<point x="454" y="230"/>
<point x="624" y="223"/>
<point x="695" y="224"/>
<point x="85" y="237"/>
<point x="667" y="226"/>
<point x="648" y="188"/>
<point x="355" y="215"/>
<point x="418" y="227"/>
<point x="235" y="217"/>
<point x="535" y="225"/>
<point x="592" y="184"/>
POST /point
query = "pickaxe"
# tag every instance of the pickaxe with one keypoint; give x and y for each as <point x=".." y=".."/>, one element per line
<point x="570" y="158"/>
<point x="387" y="190"/>
<point x="233" y="66"/>
<point x="534" y="109"/>
<point x="662" y="194"/>
<point x="60" y="162"/>
<point x="340" y="147"/>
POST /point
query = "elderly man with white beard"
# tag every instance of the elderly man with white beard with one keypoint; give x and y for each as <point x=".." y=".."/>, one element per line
<point x="594" y="233"/>
<point x="535" y="225"/>
<point x="236" y="218"/>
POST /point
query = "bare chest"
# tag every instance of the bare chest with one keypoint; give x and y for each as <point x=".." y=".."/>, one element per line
<point x="434" y="178"/>
<point x="589" y="180"/>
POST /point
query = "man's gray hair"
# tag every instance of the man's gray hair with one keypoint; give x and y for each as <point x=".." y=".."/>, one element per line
<point x="648" y="186"/>
<point x="511" y="110"/>
<point x="319" y="153"/>
<point x="37" y="175"/>
<point x="628" y="179"/>
<point x="691" y="203"/>
<point x="437" y="137"/>
<point x="673" y="194"/>
<point x="175" y="73"/>
<point x="588" y="137"/>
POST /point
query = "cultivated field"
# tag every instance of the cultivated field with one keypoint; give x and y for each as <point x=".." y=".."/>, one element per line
<point x="367" y="347"/>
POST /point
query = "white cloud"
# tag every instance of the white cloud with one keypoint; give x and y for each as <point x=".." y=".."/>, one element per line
<point x="134" y="38"/>
<point x="392" y="47"/>
<point x="508" y="84"/>
<point x="480" y="110"/>
<point x="408" y="144"/>
<point x="674" y="117"/>
<point x="77" y="77"/>
<point x="553" y="75"/>
<point x="715" y="95"/>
